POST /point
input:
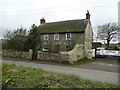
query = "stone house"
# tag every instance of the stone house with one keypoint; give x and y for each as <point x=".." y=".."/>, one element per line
<point x="64" y="35"/>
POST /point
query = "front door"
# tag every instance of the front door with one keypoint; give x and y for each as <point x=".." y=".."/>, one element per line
<point x="56" y="48"/>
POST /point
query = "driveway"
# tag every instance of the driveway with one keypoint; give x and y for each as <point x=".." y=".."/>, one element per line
<point x="106" y="64"/>
<point x="97" y="75"/>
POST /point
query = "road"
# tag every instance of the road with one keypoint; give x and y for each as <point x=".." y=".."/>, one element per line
<point x="96" y="75"/>
<point x="109" y="64"/>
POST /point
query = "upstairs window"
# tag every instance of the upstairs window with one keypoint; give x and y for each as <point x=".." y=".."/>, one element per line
<point x="68" y="36"/>
<point x="45" y="36"/>
<point x="56" y="36"/>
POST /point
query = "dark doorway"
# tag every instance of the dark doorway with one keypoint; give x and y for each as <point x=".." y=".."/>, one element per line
<point x="56" y="48"/>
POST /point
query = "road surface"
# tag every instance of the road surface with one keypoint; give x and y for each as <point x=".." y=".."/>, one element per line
<point x="97" y="75"/>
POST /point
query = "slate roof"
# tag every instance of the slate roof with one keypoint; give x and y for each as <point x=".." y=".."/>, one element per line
<point x="78" y="25"/>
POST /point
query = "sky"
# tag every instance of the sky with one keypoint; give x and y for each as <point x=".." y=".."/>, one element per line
<point x="119" y="21"/>
<point x="17" y="13"/>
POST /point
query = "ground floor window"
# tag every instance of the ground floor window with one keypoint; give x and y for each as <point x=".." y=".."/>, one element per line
<point x="45" y="47"/>
<point x="69" y="46"/>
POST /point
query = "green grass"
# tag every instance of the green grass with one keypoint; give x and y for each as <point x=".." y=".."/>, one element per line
<point x="0" y="73"/>
<point x="23" y="77"/>
<point x="83" y="61"/>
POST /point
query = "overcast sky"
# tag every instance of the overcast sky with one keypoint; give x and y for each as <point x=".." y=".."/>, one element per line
<point x="14" y="13"/>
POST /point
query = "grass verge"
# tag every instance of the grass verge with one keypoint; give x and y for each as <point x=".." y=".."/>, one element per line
<point x="24" y="77"/>
<point x="83" y="61"/>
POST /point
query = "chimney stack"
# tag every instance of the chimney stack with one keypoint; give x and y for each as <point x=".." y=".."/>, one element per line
<point x="42" y="21"/>
<point x="88" y="15"/>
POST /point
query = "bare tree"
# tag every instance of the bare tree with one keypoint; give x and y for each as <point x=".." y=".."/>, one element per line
<point x="107" y="32"/>
<point x="15" y="40"/>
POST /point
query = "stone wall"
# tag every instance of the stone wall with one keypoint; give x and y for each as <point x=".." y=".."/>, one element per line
<point x="16" y="54"/>
<point x="53" y="57"/>
<point x="45" y="56"/>
<point x="27" y="55"/>
<point x="88" y="50"/>
<point x="76" y="53"/>
<point x="10" y="53"/>
<point x="89" y="54"/>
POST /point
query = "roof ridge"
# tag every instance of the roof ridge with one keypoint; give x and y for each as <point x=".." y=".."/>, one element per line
<point x="65" y="21"/>
<point x="76" y="25"/>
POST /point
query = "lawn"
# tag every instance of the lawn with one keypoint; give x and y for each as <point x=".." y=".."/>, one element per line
<point x="0" y="74"/>
<point x="24" y="77"/>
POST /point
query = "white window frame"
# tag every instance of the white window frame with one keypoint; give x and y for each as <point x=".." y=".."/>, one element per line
<point x="56" y="36"/>
<point x="45" y="44"/>
<point x="67" y="36"/>
<point x="45" y="36"/>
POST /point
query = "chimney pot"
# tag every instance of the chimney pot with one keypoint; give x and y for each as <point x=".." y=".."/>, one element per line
<point x="42" y="21"/>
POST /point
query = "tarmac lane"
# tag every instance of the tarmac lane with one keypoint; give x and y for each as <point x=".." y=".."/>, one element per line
<point x="96" y="75"/>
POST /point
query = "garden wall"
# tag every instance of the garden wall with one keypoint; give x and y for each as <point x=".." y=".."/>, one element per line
<point x="44" y="56"/>
<point x="16" y="54"/>
<point x="74" y="55"/>
<point x="53" y="57"/>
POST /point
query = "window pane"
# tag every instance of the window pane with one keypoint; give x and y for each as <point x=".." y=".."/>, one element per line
<point x="56" y="36"/>
<point x="45" y="36"/>
<point x="68" y="36"/>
